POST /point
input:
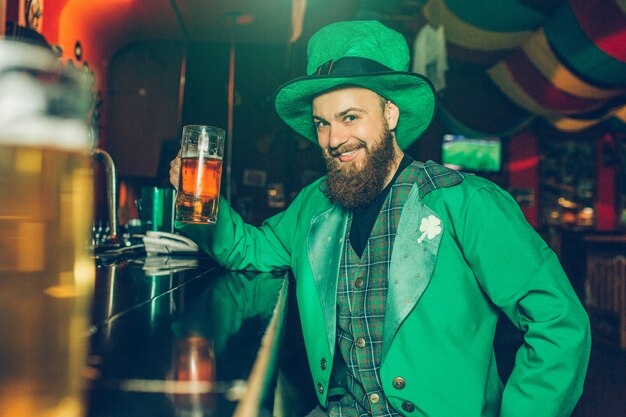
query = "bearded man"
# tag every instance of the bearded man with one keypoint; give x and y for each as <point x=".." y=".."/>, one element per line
<point x="402" y="267"/>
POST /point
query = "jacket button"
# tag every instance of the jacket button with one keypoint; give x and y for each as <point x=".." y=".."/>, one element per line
<point x="374" y="398"/>
<point x="320" y="388"/>
<point x="408" y="406"/>
<point x="399" y="382"/>
<point x="359" y="282"/>
<point x="323" y="364"/>
<point x="360" y="342"/>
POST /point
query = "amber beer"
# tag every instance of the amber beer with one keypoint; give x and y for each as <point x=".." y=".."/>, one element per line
<point x="200" y="174"/>
<point x="46" y="273"/>
<point x="199" y="190"/>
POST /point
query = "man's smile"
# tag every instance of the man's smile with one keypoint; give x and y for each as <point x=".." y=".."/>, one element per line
<point x="349" y="156"/>
<point x="347" y="153"/>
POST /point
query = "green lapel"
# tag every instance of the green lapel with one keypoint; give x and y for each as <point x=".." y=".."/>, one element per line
<point x="324" y="248"/>
<point x="412" y="262"/>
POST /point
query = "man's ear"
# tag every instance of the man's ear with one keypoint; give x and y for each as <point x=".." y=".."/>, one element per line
<point x="392" y="114"/>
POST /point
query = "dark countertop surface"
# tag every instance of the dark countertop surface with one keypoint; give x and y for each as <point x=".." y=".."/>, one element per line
<point x="180" y="337"/>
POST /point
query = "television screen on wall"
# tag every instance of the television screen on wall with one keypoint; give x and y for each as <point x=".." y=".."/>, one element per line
<point x="472" y="154"/>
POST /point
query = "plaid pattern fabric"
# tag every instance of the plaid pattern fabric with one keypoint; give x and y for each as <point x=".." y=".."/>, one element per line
<point x="433" y="175"/>
<point x="361" y="308"/>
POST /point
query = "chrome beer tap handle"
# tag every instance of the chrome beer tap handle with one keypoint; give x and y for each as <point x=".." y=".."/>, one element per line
<point x="111" y="180"/>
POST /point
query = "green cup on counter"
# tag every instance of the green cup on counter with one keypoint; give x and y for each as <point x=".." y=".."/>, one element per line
<point x="156" y="209"/>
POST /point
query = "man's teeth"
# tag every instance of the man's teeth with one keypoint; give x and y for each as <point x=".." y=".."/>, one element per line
<point x="349" y="153"/>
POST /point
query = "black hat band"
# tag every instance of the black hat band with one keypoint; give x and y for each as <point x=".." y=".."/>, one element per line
<point x="351" y="66"/>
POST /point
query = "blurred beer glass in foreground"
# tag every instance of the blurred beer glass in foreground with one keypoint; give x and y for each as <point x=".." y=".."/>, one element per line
<point x="46" y="273"/>
<point x="200" y="174"/>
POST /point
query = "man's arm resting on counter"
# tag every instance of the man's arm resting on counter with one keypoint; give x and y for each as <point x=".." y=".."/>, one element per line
<point x="237" y="245"/>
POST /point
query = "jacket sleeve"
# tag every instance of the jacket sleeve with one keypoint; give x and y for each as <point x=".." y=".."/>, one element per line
<point x="237" y="245"/>
<point x="524" y="278"/>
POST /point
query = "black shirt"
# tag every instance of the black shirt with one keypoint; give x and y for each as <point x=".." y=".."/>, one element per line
<point x="363" y="218"/>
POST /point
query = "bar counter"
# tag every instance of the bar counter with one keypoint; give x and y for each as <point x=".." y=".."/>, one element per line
<point x="183" y="337"/>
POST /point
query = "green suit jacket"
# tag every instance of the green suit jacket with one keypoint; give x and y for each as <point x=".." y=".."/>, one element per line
<point x="445" y="288"/>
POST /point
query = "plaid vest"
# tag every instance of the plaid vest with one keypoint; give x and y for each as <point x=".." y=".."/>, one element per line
<point x="361" y="299"/>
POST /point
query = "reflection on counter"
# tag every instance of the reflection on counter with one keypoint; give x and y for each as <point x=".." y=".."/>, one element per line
<point x="165" y="265"/>
<point x="177" y="343"/>
<point x="193" y="368"/>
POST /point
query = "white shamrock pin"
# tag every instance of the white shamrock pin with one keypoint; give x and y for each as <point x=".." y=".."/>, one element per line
<point x="430" y="227"/>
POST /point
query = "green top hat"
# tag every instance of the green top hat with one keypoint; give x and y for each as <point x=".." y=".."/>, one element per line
<point x="363" y="54"/>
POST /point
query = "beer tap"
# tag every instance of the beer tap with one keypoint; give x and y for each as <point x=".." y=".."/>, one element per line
<point x="112" y="240"/>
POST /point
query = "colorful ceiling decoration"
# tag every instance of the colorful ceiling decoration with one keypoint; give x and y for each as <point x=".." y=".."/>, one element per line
<point x="534" y="78"/>
<point x="590" y="36"/>
<point x="483" y="30"/>
<point x="615" y="120"/>
<point x="567" y="67"/>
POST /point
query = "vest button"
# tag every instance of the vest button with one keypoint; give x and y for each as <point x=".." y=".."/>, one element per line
<point x="399" y="382"/>
<point x="323" y="364"/>
<point x="359" y="283"/>
<point x="320" y="388"/>
<point x="408" y="406"/>
<point x="374" y="398"/>
<point x="360" y="342"/>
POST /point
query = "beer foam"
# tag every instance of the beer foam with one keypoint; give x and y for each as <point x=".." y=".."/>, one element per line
<point x="64" y="134"/>
<point x="14" y="53"/>
<point x="24" y="101"/>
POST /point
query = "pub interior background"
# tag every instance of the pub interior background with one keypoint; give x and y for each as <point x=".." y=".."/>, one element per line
<point x="545" y="77"/>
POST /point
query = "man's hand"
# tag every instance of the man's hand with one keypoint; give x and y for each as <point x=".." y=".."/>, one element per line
<point x="175" y="170"/>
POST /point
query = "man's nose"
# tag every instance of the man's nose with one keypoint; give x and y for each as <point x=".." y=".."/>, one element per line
<point x="338" y="135"/>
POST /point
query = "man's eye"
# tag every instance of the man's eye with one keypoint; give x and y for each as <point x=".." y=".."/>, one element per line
<point x="350" y="118"/>
<point x="320" y="123"/>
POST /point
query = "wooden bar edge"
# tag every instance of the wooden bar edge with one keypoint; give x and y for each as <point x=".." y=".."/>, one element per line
<point x="249" y="406"/>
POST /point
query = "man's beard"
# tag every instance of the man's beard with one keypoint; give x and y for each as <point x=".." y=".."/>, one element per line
<point x="352" y="188"/>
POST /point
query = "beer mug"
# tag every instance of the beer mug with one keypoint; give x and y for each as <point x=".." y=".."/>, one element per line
<point x="46" y="272"/>
<point x="200" y="174"/>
